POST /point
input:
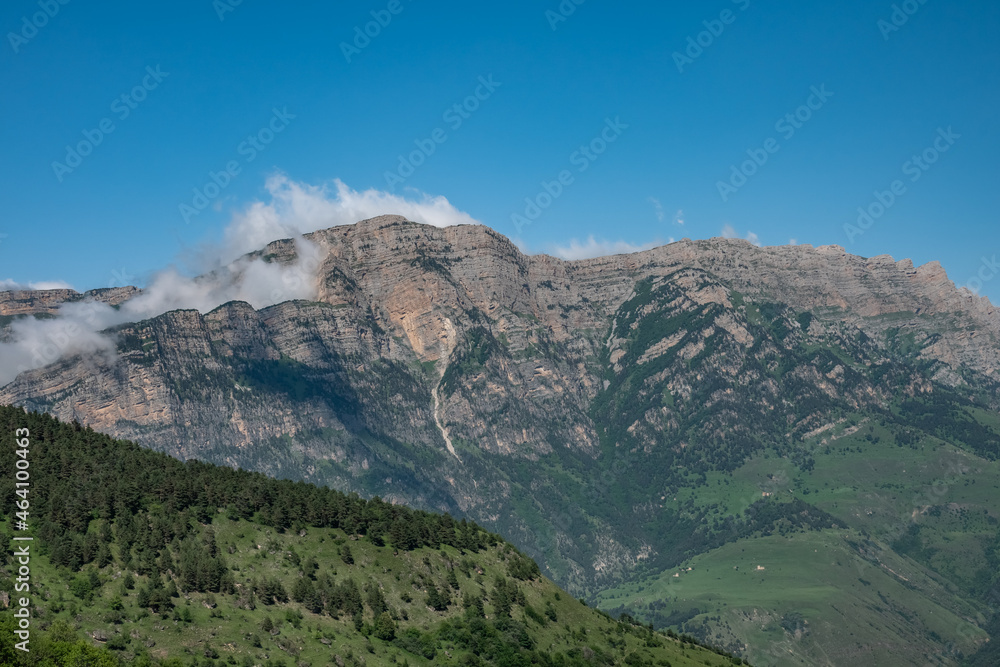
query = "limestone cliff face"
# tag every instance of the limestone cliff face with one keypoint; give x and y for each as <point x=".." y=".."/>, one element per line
<point x="45" y="302"/>
<point x="30" y="302"/>
<point x="531" y="369"/>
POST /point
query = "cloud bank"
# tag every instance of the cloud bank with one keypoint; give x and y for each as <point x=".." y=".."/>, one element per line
<point x="293" y="209"/>
<point x="290" y="210"/>
<point x="77" y="328"/>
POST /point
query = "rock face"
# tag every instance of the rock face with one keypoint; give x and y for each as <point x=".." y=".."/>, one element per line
<point x="445" y="369"/>
<point x="46" y="302"/>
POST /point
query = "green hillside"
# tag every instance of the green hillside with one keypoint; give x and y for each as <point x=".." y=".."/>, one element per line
<point x="140" y="559"/>
<point x="910" y="573"/>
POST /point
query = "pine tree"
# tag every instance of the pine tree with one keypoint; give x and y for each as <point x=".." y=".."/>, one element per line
<point x="501" y="598"/>
<point x="314" y="602"/>
<point x="104" y="557"/>
<point x="436" y="599"/>
<point x="385" y="627"/>
<point x="302" y="589"/>
<point x="473" y="605"/>
<point x="376" y="601"/>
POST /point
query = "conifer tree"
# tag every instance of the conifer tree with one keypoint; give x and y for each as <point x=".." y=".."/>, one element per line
<point x="385" y="627"/>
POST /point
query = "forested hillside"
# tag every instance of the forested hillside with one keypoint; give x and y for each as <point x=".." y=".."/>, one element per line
<point x="140" y="559"/>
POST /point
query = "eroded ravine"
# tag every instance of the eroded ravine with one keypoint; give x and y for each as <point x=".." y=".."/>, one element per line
<point x="440" y="424"/>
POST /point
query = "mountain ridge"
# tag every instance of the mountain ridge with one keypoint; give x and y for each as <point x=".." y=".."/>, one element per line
<point x="17" y="301"/>
<point x="593" y="406"/>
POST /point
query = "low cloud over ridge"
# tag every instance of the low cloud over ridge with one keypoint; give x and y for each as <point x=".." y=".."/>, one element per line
<point x="77" y="328"/>
<point x="290" y="210"/>
<point x="294" y="208"/>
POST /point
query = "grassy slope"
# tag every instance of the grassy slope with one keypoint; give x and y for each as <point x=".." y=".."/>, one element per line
<point x="260" y="552"/>
<point x="839" y="596"/>
<point x="78" y="475"/>
<point x="815" y="603"/>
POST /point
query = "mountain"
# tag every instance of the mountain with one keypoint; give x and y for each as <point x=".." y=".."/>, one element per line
<point x="47" y="302"/>
<point x="699" y="407"/>
<point x="139" y="559"/>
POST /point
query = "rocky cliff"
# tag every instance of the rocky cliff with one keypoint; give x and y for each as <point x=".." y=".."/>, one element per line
<point x="46" y="302"/>
<point x="561" y="403"/>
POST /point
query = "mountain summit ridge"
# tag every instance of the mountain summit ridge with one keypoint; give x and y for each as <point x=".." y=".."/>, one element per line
<point x="17" y="302"/>
<point x="614" y="417"/>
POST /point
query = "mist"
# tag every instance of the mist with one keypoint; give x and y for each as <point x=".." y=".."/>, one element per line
<point x="290" y="210"/>
<point x="79" y="328"/>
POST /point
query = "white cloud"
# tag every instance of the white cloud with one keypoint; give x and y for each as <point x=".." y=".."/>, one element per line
<point x="658" y="207"/>
<point x="594" y="248"/>
<point x="77" y="327"/>
<point x="661" y="214"/>
<point x="729" y="232"/>
<point x="294" y="208"/>
<point x="255" y="281"/>
<point x="36" y="343"/>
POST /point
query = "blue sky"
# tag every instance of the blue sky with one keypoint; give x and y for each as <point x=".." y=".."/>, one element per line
<point x="661" y="130"/>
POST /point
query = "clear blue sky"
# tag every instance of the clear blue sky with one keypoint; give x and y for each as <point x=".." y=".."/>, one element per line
<point x="891" y="93"/>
